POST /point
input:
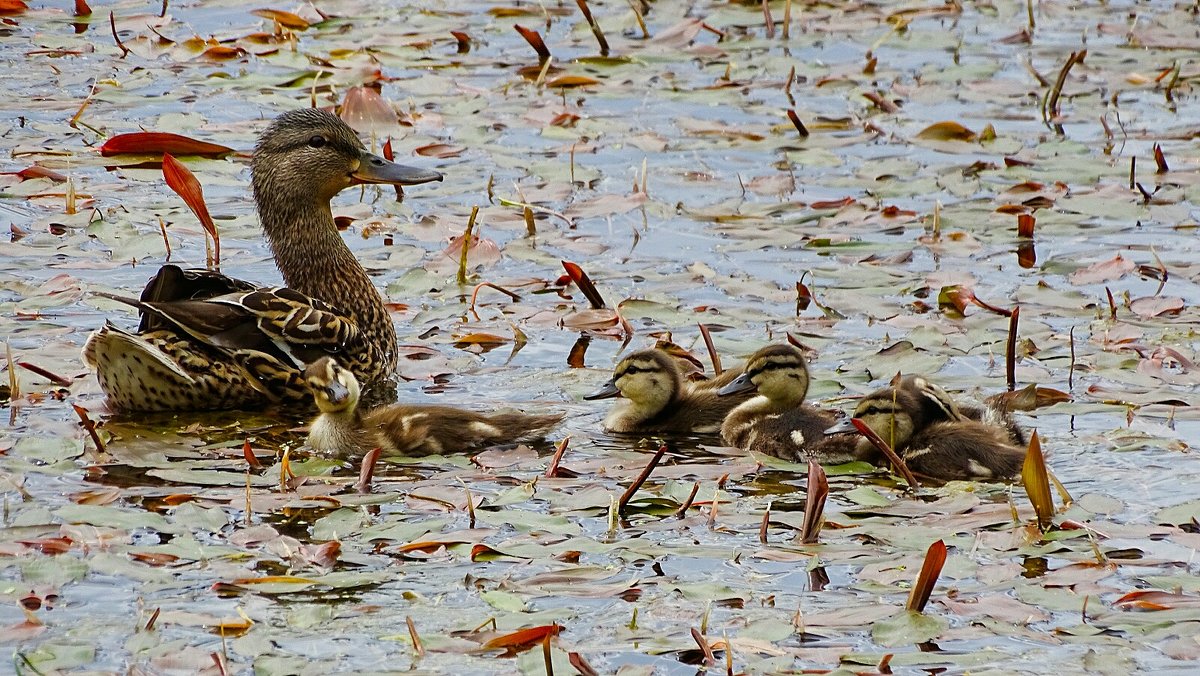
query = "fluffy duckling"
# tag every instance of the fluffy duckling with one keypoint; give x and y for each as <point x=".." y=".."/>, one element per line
<point x="935" y="436"/>
<point x="776" y="421"/>
<point x="405" y="429"/>
<point x="656" y="398"/>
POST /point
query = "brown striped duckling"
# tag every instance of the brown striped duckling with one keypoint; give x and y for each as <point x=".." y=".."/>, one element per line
<point x="401" y="429"/>
<point x="776" y="421"/>
<point x="657" y="398"/>
<point x="935" y="436"/>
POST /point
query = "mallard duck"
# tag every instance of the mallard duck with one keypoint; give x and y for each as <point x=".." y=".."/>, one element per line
<point x="935" y="436"/>
<point x="777" y="421"/>
<point x="656" y="398"/>
<point x="405" y="429"/>
<point x="207" y="341"/>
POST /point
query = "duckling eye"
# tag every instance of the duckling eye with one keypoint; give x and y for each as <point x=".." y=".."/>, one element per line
<point x="316" y="141"/>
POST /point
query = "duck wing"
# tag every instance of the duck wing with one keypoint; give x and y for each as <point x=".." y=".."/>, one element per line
<point x="280" y="323"/>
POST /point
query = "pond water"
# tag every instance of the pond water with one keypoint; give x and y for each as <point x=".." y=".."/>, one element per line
<point x="139" y="556"/>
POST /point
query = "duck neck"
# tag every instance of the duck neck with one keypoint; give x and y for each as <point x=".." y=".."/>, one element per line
<point x="315" y="261"/>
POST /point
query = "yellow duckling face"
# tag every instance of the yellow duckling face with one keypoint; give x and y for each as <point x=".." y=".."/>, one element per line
<point x="311" y="152"/>
<point x="897" y="412"/>
<point x="334" y="388"/>
<point x="777" y="372"/>
<point x="644" y="377"/>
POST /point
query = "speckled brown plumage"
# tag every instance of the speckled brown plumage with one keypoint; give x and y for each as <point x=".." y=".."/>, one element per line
<point x="776" y="421"/>
<point x="939" y="438"/>
<point x="656" y="398"/>
<point x="207" y="341"/>
<point x="405" y="429"/>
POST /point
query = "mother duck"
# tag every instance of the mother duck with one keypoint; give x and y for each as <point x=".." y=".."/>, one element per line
<point x="207" y="341"/>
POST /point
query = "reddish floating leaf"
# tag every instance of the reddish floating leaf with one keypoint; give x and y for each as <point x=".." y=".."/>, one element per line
<point x="157" y="143"/>
<point x="184" y="183"/>
<point x="523" y="637"/>
<point x="535" y="40"/>
<point x="946" y="131"/>
<point x="935" y="558"/>
<point x="285" y="19"/>
<point x="569" y="81"/>
<point x="585" y="284"/>
<point x="12" y="7"/>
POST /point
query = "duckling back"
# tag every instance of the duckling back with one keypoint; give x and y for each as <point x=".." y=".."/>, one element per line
<point x="964" y="450"/>
<point x="428" y="430"/>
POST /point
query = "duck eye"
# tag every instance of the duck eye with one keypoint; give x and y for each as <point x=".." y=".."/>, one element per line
<point x="317" y="141"/>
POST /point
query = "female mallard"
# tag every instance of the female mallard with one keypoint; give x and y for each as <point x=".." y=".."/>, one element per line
<point x="777" y="421"/>
<point x="938" y="438"/>
<point x="658" y="399"/>
<point x="405" y="429"/>
<point x="207" y="341"/>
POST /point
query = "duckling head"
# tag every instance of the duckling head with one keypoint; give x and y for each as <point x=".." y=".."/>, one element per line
<point x="650" y="379"/>
<point x="897" y="412"/>
<point x="307" y="156"/>
<point x="334" y="388"/>
<point x="777" y="372"/>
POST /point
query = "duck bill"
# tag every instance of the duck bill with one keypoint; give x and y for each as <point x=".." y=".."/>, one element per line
<point x="607" y="391"/>
<point x="375" y="169"/>
<point x="337" y="393"/>
<point x="742" y="383"/>
<point x="845" y="425"/>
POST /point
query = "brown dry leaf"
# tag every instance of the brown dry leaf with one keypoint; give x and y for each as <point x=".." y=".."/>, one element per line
<point x="1153" y="306"/>
<point x="1103" y="271"/>
<point x="285" y="19"/>
<point x="946" y="131"/>
<point x="592" y="319"/>
<point x="439" y="150"/>
<point x="365" y="110"/>
<point x="679" y="35"/>
<point x="568" y="81"/>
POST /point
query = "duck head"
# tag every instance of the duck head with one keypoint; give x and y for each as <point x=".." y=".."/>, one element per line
<point x="649" y="378"/>
<point x="777" y="372"/>
<point x="309" y="155"/>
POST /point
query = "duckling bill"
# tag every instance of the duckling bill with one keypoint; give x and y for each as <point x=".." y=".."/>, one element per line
<point x="938" y="438"/>
<point x="655" y="397"/>
<point x="405" y="429"/>
<point x="776" y="421"/>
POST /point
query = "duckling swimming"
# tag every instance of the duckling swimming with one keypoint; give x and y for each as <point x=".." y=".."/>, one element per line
<point x="405" y="429"/>
<point x="935" y="436"/>
<point x="777" y="421"/>
<point x="656" y="398"/>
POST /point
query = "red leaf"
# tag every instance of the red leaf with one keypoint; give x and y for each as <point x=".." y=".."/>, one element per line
<point x="12" y="7"/>
<point x="935" y="558"/>
<point x="523" y="637"/>
<point x="81" y="8"/>
<point x="535" y="40"/>
<point x="184" y="183"/>
<point x="584" y="283"/>
<point x="155" y="143"/>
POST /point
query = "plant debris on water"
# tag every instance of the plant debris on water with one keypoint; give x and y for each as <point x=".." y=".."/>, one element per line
<point x="883" y="183"/>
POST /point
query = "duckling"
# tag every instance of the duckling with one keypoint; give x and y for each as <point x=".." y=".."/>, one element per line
<point x="935" y="436"/>
<point x="405" y="429"/>
<point x="777" y="421"/>
<point x="658" y="399"/>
